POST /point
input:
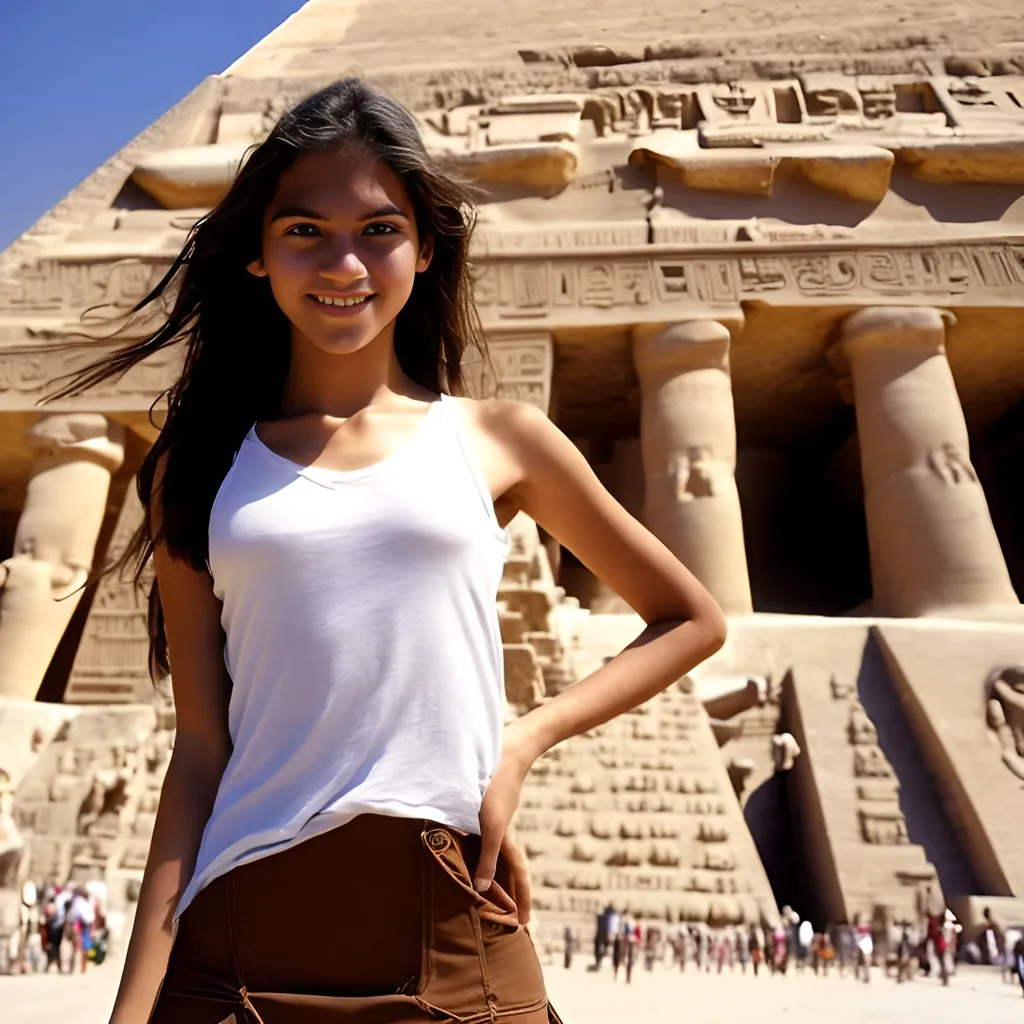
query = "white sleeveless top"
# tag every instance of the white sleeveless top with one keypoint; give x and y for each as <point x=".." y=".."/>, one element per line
<point x="362" y="642"/>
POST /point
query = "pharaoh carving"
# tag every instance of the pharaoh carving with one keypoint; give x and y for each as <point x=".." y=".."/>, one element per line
<point x="41" y="583"/>
<point x="1005" y="715"/>
<point x="861" y="732"/>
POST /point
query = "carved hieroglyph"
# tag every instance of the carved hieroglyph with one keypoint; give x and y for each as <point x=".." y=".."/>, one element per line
<point x="112" y="663"/>
<point x="933" y="547"/>
<point x="688" y="437"/>
<point x="855" y="840"/>
<point x="41" y="583"/>
<point x="520" y="368"/>
<point x="640" y="812"/>
<point x="86" y="807"/>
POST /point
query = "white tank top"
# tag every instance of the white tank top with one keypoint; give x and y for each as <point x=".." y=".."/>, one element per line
<point x="362" y="643"/>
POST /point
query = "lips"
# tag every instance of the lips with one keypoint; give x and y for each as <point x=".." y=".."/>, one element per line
<point x="342" y="300"/>
<point x="341" y="305"/>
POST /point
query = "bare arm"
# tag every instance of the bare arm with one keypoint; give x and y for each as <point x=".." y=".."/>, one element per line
<point x="536" y="469"/>
<point x="201" y="750"/>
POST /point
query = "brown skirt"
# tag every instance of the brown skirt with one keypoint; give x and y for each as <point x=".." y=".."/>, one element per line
<point x="375" y="922"/>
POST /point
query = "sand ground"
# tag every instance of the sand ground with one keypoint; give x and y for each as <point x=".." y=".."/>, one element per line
<point x="660" y="997"/>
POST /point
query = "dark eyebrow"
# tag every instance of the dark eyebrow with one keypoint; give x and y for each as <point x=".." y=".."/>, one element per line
<point x="296" y="211"/>
<point x="388" y="210"/>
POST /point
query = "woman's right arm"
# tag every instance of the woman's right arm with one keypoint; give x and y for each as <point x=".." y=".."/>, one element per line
<point x="201" y="750"/>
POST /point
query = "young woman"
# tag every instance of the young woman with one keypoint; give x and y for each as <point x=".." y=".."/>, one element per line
<point x="326" y="522"/>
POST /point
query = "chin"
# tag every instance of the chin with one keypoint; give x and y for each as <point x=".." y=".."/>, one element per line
<point x="341" y="345"/>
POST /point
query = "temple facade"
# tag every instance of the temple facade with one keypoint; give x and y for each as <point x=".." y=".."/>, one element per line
<point x="777" y="301"/>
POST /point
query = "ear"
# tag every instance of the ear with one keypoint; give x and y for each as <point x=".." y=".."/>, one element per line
<point x="426" y="254"/>
<point x="256" y="268"/>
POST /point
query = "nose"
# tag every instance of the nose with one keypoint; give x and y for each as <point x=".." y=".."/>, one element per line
<point x="342" y="265"/>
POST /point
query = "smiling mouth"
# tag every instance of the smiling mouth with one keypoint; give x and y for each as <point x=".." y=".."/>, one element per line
<point x="339" y="300"/>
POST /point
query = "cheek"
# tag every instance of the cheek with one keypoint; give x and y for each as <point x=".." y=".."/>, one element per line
<point x="395" y="267"/>
<point x="284" y="264"/>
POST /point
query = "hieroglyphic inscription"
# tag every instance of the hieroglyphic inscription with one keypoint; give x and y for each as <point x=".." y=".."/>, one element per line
<point x="520" y="368"/>
<point x="507" y="289"/>
<point x="931" y="271"/>
<point x="877" y="791"/>
<point x="998" y="266"/>
<point x="825" y="275"/>
<point x="762" y="274"/>
<point x="534" y="286"/>
<point x="112" y="662"/>
<point x="29" y="375"/>
<point x="68" y="287"/>
<point x="661" y="829"/>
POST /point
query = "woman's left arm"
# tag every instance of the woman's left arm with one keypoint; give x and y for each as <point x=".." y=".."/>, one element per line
<point x="552" y="483"/>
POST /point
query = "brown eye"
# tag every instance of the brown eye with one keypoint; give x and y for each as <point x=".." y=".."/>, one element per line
<point x="303" y="230"/>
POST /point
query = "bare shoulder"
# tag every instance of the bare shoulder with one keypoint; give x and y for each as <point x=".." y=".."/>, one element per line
<point x="516" y="425"/>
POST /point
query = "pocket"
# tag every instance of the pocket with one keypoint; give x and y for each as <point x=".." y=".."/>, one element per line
<point x="495" y="905"/>
<point x="285" y="1008"/>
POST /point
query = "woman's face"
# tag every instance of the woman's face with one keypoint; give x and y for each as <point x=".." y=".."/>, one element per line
<point x="340" y="247"/>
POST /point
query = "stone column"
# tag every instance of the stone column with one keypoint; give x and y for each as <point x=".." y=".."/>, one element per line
<point x="55" y="541"/>
<point x="933" y="547"/>
<point x="688" y="443"/>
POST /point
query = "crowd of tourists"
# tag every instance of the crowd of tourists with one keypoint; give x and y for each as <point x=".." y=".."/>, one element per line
<point x="62" y="927"/>
<point x="899" y="949"/>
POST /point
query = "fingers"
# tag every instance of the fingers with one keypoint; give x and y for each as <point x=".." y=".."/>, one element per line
<point x="490" y="844"/>
<point x="520" y="879"/>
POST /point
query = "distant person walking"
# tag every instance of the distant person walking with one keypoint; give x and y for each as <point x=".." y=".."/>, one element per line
<point x="757" y="944"/>
<point x="742" y="947"/>
<point x="864" y="948"/>
<point x="569" y="945"/>
<point x="1018" y="960"/>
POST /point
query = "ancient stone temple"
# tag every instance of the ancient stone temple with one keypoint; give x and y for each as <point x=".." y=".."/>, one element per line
<point x="771" y="282"/>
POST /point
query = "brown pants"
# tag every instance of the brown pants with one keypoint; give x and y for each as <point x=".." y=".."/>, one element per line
<point x="375" y="922"/>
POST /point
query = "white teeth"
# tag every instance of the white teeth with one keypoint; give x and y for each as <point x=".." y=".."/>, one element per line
<point x="328" y="301"/>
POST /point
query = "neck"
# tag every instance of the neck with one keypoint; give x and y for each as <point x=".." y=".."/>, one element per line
<point x="330" y="384"/>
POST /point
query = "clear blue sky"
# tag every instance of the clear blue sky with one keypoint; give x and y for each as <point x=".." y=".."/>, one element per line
<point x="80" y="78"/>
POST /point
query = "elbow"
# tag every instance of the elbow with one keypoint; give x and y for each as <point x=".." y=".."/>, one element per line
<point x="714" y="627"/>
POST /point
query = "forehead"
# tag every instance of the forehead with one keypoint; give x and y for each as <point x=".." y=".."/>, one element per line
<point x="348" y="179"/>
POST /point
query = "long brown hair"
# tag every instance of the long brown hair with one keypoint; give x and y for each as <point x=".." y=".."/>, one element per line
<point x="237" y="341"/>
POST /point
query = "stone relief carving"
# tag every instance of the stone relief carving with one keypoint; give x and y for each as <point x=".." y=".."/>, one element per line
<point x="1005" y="715"/>
<point x="785" y="751"/>
<point x="11" y="841"/>
<point x="951" y="465"/>
<point x="112" y="662"/>
<point x="860" y="729"/>
<point x="871" y="763"/>
<point x="693" y="472"/>
<point x="520" y="368"/>
<point x="42" y="582"/>
<point x="884" y="827"/>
